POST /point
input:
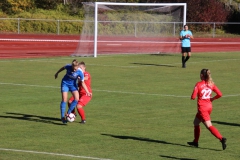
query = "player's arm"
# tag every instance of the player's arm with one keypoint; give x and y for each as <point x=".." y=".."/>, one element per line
<point x="181" y="37"/>
<point x="60" y="70"/>
<point x="85" y="88"/>
<point x="86" y="77"/>
<point x="218" y="94"/>
<point x="82" y="78"/>
<point x="194" y="93"/>
<point x="190" y="35"/>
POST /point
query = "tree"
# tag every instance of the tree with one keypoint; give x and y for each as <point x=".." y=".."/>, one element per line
<point x="16" y="6"/>
<point x="206" y="11"/>
<point x="47" y="4"/>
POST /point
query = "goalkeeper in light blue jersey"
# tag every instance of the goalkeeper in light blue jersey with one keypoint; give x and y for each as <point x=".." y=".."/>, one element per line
<point x="185" y="37"/>
<point x="69" y="83"/>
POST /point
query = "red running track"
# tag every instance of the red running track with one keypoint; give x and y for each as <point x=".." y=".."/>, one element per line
<point x="30" y="46"/>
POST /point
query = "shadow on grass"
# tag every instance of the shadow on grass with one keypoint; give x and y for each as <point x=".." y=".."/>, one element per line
<point x="170" y="157"/>
<point x="226" y="123"/>
<point x="149" y="64"/>
<point x="152" y="140"/>
<point x="35" y="118"/>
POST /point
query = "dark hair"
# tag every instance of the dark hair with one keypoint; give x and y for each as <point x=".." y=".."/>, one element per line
<point x="74" y="60"/>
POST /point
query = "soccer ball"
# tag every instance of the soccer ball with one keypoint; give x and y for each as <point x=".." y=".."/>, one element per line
<point x="71" y="117"/>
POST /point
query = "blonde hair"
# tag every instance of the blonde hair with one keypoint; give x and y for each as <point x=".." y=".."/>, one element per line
<point x="75" y="63"/>
<point x="81" y="63"/>
<point x="206" y="75"/>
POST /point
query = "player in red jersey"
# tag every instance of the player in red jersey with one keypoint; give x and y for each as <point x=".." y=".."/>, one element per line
<point x="83" y="97"/>
<point x="203" y="90"/>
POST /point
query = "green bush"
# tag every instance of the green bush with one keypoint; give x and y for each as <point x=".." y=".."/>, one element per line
<point x="42" y="21"/>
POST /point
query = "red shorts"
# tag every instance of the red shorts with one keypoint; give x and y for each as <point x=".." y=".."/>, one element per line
<point x="203" y="113"/>
<point x="83" y="99"/>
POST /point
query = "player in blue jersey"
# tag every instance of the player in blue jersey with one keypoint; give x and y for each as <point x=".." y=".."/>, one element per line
<point x="69" y="83"/>
<point x="185" y="36"/>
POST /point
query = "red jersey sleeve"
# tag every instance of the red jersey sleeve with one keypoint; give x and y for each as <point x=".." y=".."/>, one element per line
<point x="195" y="91"/>
<point x="217" y="91"/>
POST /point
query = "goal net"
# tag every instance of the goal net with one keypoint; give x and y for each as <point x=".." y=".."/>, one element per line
<point x="124" y="28"/>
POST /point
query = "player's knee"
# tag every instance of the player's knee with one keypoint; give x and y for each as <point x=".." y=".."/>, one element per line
<point x="79" y="106"/>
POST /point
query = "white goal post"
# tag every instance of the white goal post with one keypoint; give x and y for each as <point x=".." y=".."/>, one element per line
<point x="158" y="18"/>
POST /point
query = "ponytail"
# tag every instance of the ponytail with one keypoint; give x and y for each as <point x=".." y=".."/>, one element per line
<point x="206" y="74"/>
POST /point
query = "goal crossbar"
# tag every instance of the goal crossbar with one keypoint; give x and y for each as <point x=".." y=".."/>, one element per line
<point x="134" y="25"/>
<point x="97" y="4"/>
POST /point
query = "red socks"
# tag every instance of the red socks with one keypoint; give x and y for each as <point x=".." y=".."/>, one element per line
<point x="215" y="132"/>
<point x="81" y="113"/>
<point x="196" y="133"/>
<point x="212" y="129"/>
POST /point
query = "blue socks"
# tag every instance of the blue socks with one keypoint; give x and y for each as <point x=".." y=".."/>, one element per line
<point x="72" y="106"/>
<point x="62" y="109"/>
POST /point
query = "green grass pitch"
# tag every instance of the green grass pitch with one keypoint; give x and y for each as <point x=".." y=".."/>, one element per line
<point x="141" y="109"/>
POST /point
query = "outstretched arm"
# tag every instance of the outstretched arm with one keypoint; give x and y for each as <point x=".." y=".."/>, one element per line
<point x="60" y="70"/>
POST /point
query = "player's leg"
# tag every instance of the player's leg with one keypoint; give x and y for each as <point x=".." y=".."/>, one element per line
<point x="69" y="103"/>
<point x="183" y="57"/>
<point x="75" y="94"/>
<point x="197" y="130"/>
<point x="188" y="55"/>
<point x="216" y="133"/>
<point x="214" y="130"/>
<point x="81" y="113"/>
<point x="83" y="101"/>
<point x="208" y="124"/>
<point x="64" y="91"/>
<point x="63" y="106"/>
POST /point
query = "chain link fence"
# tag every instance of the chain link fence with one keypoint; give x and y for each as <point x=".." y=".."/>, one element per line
<point x="74" y="27"/>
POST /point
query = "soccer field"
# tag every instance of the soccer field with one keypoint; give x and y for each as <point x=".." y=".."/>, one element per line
<point x="141" y="109"/>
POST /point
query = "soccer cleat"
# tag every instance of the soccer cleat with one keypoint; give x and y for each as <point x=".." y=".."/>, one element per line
<point x="223" y="141"/>
<point x="64" y="121"/>
<point x="184" y="65"/>
<point x="195" y="144"/>
<point x="83" y="122"/>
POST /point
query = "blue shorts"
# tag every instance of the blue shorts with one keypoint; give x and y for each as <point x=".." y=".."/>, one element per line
<point x="66" y="88"/>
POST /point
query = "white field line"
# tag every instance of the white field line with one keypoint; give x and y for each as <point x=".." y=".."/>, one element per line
<point x="49" y="153"/>
<point x="121" y="92"/>
<point x="87" y="41"/>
